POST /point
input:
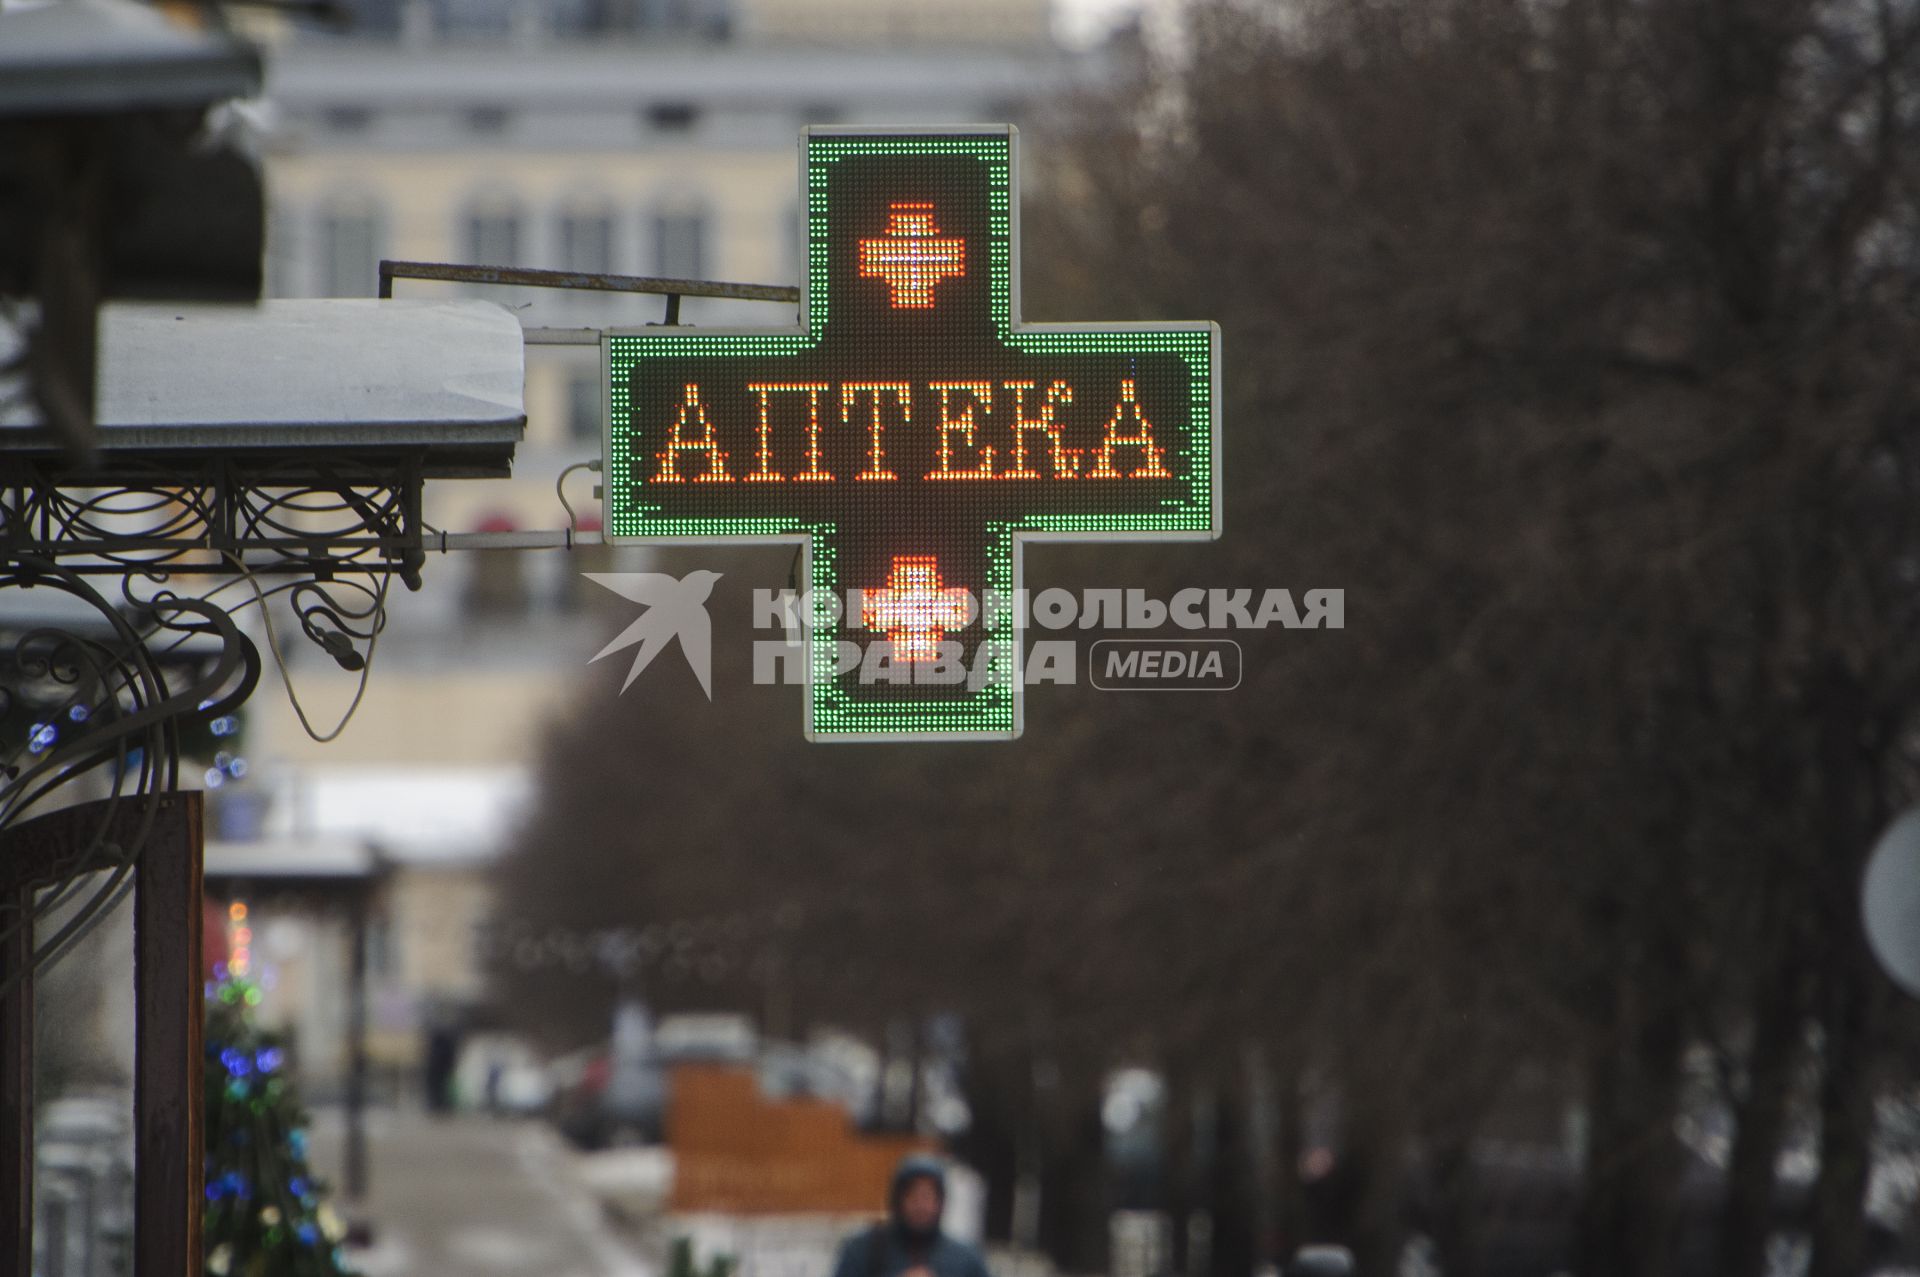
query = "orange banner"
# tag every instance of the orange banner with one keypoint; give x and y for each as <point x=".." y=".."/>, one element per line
<point x="738" y="1152"/>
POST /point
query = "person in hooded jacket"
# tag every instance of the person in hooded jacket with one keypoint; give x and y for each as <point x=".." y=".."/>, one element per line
<point x="910" y="1243"/>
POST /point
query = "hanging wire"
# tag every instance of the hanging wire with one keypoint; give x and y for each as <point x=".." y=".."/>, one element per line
<point x="560" y="490"/>
<point x="376" y="613"/>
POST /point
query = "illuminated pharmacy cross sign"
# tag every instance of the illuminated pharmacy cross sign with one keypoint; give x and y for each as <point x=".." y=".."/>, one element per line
<point x="912" y="610"/>
<point x="910" y="256"/>
<point x="913" y="435"/>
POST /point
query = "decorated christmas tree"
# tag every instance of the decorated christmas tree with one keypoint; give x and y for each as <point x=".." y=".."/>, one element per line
<point x="266" y="1214"/>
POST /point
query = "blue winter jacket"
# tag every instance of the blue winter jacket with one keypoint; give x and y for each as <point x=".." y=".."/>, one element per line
<point x="885" y="1250"/>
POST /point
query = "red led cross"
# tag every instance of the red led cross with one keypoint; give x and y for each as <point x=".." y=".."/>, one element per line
<point x="914" y="610"/>
<point x="911" y="256"/>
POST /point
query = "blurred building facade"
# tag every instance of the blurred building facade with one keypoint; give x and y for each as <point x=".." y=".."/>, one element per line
<point x="651" y="137"/>
<point x="294" y="905"/>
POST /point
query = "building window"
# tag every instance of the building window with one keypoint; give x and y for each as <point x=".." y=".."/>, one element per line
<point x="679" y="244"/>
<point x="673" y="117"/>
<point x="493" y="232"/>
<point x="487" y="119"/>
<point x="348" y="119"/>
<point x="793" y="246"/>
<point x="379" y="18"/>
<point x="496" y="580"/>
<point x="583" y="405"/>
<point x="349" y="235"/>
<point x="383" y="945"/>
<point x="459" y="18"/>
<point x="586" y="241"/>
<point x="710" y="19"/>
<point x="576" y="18"/>
<point x="282" y="262"/>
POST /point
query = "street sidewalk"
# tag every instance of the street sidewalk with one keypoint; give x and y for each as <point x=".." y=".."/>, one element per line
<point x="470" y="1196"/>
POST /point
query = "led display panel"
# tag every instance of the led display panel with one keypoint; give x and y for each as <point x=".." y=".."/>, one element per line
<point x="912" y="434"/>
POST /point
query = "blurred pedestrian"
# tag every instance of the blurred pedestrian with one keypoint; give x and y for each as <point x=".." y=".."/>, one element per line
<point x="909" y="1243"/>
<point x="443" y="1054"/>
<point x="496" y="1073"/>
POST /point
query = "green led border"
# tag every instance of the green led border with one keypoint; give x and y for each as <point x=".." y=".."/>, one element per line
<point x="994" y="711"/>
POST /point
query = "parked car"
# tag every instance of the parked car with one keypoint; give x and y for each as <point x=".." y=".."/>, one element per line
<point x="617" y="1095"/>
<point x="499" y="1073"/>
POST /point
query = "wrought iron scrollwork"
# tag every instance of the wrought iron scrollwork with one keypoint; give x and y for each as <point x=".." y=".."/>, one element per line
<point x="96" y="709"/>
<point x="100" y="708"/>
<point x="323" y="518"/>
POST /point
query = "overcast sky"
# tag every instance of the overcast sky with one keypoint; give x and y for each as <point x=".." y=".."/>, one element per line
<point x="1085" y="21"/>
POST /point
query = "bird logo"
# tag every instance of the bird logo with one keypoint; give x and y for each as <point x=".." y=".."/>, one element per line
<point x="676" y="608"/>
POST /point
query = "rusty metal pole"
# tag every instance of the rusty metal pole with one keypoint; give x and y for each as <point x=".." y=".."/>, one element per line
<point x="16" y="1089"/>
<point x="596" y="281"/>
<point x="356" y="1176"/>
<point x="168" y="1096"/>
<point x="167" y="993"/>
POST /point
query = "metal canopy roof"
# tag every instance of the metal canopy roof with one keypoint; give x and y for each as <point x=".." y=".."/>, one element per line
<point x="284" y="858"/>
<point x="91" y="56"/>
<point x="349" y="378"/>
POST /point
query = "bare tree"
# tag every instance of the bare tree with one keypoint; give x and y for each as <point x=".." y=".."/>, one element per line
<point x="1575" y="344"/>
